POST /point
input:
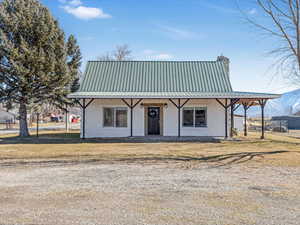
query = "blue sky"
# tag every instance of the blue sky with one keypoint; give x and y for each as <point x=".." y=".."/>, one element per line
<point x="174" y="30"/>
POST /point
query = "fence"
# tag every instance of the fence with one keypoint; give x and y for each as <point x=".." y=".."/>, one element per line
<point x="7" y="124"/>
<point x="254" y="124"/>
<point x="279" y="125"/>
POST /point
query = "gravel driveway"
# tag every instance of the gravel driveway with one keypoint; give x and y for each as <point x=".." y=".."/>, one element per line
<point x="156" y="194"/>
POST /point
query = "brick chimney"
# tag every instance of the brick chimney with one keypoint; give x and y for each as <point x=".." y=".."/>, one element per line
<point x="225" y="60"/>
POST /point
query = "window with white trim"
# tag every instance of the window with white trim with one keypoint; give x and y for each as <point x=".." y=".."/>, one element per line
<point x="194" y="117"/>
<point x="114" y="117"/>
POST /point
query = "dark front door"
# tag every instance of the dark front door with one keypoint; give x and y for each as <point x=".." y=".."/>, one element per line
<point x="153" y="121"/>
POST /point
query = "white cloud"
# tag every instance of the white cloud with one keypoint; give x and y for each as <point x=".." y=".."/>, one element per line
<point x="163" y="56"/>
<point x="150" y="54"/>
<point x="179" y="34"/>
<point x="75" y="2"/>
<point x="86" y="13"/>
<point x="252" y="11"/>
<point x="71" y="2"/>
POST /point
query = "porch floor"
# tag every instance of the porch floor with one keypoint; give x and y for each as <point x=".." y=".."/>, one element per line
<point x="158" y="138"/>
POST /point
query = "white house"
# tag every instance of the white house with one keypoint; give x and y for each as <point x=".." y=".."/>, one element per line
<point x="166" y="98"/>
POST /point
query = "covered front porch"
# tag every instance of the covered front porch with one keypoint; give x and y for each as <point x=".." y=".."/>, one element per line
<point x="169" y="115"/>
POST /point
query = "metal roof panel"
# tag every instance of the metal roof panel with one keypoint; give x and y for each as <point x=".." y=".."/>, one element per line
<point x="156" y="76"/>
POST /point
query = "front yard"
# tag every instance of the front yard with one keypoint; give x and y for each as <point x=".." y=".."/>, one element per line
<point x="60" y="179"/>
<point x="58" y="147"/>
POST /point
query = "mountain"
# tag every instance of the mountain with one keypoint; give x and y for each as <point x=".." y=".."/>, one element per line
<point x="287" y="104"/>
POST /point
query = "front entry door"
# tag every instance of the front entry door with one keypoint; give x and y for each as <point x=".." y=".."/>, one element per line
<point x="153" y="121"/>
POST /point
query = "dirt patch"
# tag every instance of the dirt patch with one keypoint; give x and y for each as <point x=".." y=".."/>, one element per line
<point x="149" y="194"/>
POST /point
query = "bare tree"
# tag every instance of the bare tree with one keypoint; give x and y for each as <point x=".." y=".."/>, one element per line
<point x="282" y="22"/>
<point x="106" y="57"/>
<point x="121" y="53"/>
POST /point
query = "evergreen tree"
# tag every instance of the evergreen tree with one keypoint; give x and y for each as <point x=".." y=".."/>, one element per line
<point x="60" y="100"/>
<point x="36" y="64"/>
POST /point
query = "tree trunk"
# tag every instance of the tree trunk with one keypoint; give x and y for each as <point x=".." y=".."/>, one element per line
<point x="23" y="121"/>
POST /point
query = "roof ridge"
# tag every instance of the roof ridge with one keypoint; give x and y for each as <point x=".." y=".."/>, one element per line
<point x="184" y="61"/>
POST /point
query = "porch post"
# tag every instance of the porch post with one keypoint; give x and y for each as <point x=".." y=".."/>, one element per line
<point x="179" y="118"/>
<point x="231" y="117"/>
<point x="245" y="119"/>
<point x="131" y="106"/>
<point x="179" y="106"/>
<point x="83" y="118"/>
<point x="262" y="105"/>
<point x="226" y="120"/>
<point x="262" y="121"/>
<point x="83" y="107"/>
<point x="131" y="115"/>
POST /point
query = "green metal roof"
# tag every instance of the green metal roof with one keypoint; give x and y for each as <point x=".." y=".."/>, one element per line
<point x="159" y="79"/>
<point x="156" y="76"/>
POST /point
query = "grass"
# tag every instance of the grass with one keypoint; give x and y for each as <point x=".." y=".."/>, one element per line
<point x="33" y="125"/>
<point x="56" y="146"/>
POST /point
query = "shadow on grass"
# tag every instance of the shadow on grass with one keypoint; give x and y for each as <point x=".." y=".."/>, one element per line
<point x="222" y="159"/>
<point x="215" y="160"/>
<point x="74" y="138"/>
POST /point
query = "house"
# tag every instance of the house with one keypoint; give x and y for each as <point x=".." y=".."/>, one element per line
<point x="292" y="122"/>
<point x="166" y="98"/>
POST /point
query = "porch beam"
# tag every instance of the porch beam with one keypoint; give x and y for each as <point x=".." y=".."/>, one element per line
<point x="89" y="102"/>
<point x="138" y="102"/>
<point x="173" y="103"/>
<point x="181" y="106"/>
<point x="236" y="107"/>
<point x="221" y="103"/>
<point x="79" y="103"/>
<point x="126" y="103"/>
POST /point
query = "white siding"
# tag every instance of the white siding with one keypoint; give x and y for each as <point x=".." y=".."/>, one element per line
<point x="94" y="119"/>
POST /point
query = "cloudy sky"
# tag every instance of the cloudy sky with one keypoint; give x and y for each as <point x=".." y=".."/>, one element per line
<point x="175" y="30"/>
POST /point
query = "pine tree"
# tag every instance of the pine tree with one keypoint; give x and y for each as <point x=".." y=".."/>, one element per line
<point x="36" y="64"/>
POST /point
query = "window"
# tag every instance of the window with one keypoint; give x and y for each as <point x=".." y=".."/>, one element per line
<point x="188" y="117"/>
<point x="200" y="117"/>
<point x="194" y="117"/>
<point x="115" y="117"/>
<point x="121" y="117"/>
<point x="108" y="120"/>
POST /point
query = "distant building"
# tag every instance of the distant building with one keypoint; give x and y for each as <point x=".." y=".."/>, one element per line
<point x="293" y="122"/>
<point x="7" y="117"/>
<point x="239" y="122"/>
